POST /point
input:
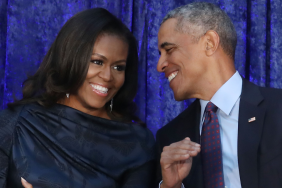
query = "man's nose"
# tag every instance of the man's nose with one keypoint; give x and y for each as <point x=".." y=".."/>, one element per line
<point x="162" y="64"/>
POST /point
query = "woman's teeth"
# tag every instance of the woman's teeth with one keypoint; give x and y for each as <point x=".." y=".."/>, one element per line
<point x="173" y="75"/>
<point x="100" y="88"/>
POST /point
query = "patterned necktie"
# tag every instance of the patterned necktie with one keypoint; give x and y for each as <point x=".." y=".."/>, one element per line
<point x="211" y="149"/>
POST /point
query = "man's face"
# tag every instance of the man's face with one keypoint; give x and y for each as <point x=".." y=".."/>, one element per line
<point x="182" y="60"/>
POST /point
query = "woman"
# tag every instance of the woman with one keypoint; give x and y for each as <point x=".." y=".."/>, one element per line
<point x="73" y="127"/>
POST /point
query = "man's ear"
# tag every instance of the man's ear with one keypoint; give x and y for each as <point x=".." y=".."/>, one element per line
<point x="211" y="40"/>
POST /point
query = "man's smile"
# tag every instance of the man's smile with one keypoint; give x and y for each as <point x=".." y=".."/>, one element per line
<point x="172" y="76"/>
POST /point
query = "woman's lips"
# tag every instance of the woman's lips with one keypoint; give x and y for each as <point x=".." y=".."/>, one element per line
<point x="100" y="90"/>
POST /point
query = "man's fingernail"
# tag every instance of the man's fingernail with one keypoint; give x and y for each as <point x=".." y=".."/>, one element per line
<point x="23" y="179"/>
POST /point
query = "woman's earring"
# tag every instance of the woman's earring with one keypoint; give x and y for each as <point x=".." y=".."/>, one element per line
<point x="68" y="95"/>
<point x="112" y="104"/>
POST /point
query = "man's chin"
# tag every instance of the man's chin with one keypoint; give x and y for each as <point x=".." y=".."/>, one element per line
<point x="179" y="97"/>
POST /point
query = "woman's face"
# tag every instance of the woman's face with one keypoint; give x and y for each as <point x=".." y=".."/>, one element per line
<point x="105" y="76"/>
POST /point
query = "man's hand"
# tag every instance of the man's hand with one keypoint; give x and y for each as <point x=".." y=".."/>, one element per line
<point x="25" y="183"/>
<point x="176" y="162"/>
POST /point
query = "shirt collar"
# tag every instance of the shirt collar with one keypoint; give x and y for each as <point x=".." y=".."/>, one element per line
<point x="227" y="95"/>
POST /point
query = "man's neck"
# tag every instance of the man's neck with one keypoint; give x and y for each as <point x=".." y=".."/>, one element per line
<point x="219" y="73"/>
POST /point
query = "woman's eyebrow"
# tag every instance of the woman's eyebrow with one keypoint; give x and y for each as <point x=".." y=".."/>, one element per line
<point x="103" y="57"/>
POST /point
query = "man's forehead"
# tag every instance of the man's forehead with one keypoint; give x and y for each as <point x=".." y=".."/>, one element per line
<point x="168" y="26"/>
<point x="167" y="31"/>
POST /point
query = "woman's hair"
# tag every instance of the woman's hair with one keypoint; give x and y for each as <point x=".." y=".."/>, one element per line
<point x="65" y="66"/>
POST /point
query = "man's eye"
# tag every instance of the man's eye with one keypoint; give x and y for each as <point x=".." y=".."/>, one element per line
<point x="168" y="50"/>
<point x="98" y="62"/>
<point x="120" y="67"/>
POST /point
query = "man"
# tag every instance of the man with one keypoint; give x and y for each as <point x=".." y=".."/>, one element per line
<point x="231" y="135"/>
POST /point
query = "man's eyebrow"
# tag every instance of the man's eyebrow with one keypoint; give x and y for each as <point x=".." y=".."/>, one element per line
<point x="165" y="44"/>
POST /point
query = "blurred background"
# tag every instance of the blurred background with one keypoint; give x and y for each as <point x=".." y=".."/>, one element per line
<point x="28" y="28"/>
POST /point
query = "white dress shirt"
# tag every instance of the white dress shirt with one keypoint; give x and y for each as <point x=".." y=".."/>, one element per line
<point x="227" y="99"/>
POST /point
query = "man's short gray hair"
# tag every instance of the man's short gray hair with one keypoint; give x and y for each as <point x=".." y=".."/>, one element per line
<point x="197" y="18"/>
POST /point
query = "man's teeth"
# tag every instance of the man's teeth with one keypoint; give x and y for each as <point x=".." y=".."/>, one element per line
<point x="100" y="88"/>
<point x="173" y="75"/>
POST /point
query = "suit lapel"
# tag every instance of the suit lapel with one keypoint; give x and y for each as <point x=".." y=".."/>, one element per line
<point x="190" y="128"/>
<point x="249" y="134"/>
<point x="188" y="125"/>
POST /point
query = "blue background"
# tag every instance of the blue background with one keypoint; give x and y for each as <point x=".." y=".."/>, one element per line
<point x="28" y="27"/>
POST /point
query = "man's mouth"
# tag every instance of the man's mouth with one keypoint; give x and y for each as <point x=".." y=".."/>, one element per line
<point x="172" y="76"/>
<point x="99" y="88"/>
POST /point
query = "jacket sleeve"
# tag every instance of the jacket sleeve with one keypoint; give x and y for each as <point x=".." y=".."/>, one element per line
<point x="159" y="148"/>
<point x="140" y="177"/>
<point x="8" y="119"/>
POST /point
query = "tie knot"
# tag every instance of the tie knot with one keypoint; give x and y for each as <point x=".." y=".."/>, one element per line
<point x="211" y="107"/>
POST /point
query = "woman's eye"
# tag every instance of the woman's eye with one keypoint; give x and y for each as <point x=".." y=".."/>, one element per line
<point x="98" y="62"/>
<point x="119" y="67"/>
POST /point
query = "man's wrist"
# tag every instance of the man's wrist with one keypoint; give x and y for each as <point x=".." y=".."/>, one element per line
<point x="178" y="185"/>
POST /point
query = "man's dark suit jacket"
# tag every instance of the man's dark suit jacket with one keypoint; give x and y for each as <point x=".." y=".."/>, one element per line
<point x="259" y="142"/>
